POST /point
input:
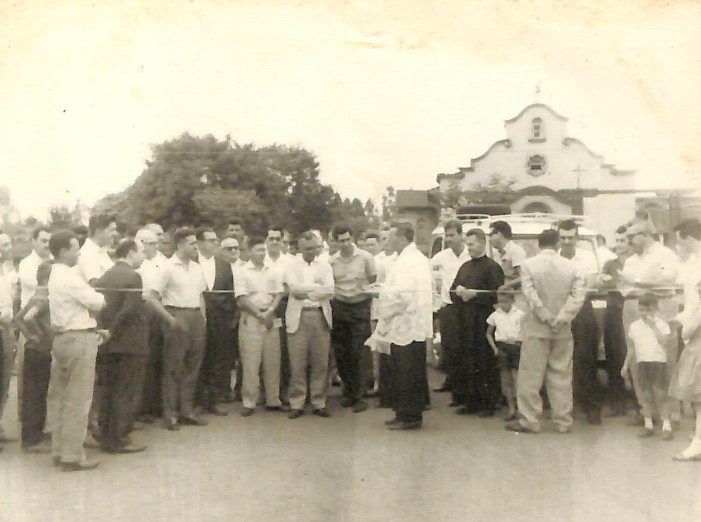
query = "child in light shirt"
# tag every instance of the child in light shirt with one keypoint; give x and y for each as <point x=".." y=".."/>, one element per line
<point x="649" y="338"/>
<point x="504" y="336"/>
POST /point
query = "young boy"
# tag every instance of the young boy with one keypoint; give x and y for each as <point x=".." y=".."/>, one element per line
<point x="649" y="338"/>
<point x="34" y="322"/>
<point x="504" y="336"/>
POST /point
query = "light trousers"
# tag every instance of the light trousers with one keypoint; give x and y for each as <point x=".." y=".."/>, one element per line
<point x="258" y="344"/>
<point x="309" y="349"/>
<point x="70" y="392"/>
<point x="549" y="361"/>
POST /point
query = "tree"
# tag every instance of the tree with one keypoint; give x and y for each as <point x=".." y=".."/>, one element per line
<point x="196" y="181"/>
<point x="60" y="217"/>
<point x="389" y="200"/>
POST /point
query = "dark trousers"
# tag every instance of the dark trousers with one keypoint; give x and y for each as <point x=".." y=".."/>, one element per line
<point x="351" y="328"/>
<point x="409" y="382"/>
<point x="122" y="377"/>
<point x="35" y="385"/>
<point x="284" y="352"/>
<point x="151" y="396"/>
<point x="449" y="320"/>
<point x="616" y="349"/>
<point x="215" y="372"/>
<point x="182" y="357"/>
<point x="588" y="393"/>
<point x="477" y="375"/>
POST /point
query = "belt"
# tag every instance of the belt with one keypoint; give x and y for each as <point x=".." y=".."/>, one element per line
<point x="168" y="307"/>
<point x="83" y="330"/>
<point x="310" y="308"/>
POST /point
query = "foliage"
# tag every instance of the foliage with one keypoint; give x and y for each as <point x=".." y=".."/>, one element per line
<point x="197" y="181"/>
<point x="491" y="192"/>
<point x="389" y="200"/>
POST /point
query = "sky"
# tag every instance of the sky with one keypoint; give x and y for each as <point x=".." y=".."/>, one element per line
<point x="383" y="92"/>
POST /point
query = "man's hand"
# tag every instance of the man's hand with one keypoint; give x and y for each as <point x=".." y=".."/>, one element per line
<point x="465" y="293"/>
<point x="557" y="324"/>
<point x="104" y="335"/>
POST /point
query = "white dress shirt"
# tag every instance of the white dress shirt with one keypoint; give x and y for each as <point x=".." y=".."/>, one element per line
<point x="315" y="279"/>
<point x="259" y="284"/>
<point x="509" y="259"/>
<point x="447" y="264"/>
<point x="151" y="271"/>
<point x="645" y="344"/>
<point x="507" y="324"/>
<point x="406" y="307"/>
<point x="656" y="265"/>
<point x="181" y="284"/>
<point x="209" y="269"/>
<point x="71" y="300"/>
<point x="6" y="293"/>
<point x="93" y="262"/>
<point x="27" y="273"/>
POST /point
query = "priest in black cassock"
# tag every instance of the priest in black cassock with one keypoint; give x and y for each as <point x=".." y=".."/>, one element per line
<point x="477" y="375"/>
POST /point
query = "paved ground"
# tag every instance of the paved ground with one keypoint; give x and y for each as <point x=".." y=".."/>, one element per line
<point x="350" y="468"/>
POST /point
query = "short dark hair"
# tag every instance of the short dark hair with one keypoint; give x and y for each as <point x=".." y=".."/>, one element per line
<point x="182" y="234"/>
<point x="307" y="236"/>
<point x="275" y="228"/>
<point x="478" y="233"/>
<point x="622" y="229"/>
<point x="453" y="224"/>
<point x="60" y="240"/>
<point x="568" y="224"/>
<point x="648" y="299"/>
<point x="81" y="232"/>
<point x="38" y="231"/>
<point x="341" y="228"/>
<point x="124" y="247"/>
<point x="405" y="229"/>
<point x="201" y="231"/>
<point x="548" y="238"/>
<point x="100" y="222"/>
<point x="235" y="221"/>
<point x="372" y="234"/>
<point x="256" y="239"/>
<point x="502" y="227"/>
<point x="689" y="228"/>
<point x="43" y="272"/>
<point x="601" y="239"/>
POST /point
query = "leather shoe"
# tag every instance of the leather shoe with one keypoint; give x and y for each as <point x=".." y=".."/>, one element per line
<point x="216" y="410"/>
<point x="282" y="407"/>
<point x="454" y="404"/>
<point x="295" y="414"/>
<point x="562" y="430"/>
<point x="247" y="412"/>
<point x="594" y="418"/>
<point x="171" y="424"/>
<point x="83" y="465"/>
<point x="392" y="421"/>
<point x="192" y="421"/>
<point x="646" y="432"/>
<point x="518" y="427"/>
<point x="347" y="402"/>
<point x="322" y="412"/>
<point x="360" y="406"/>
<point x="466" y="410"/>
<point x="402" y="425"/>
<point x="484" y="414"/>
<point x="442" y="389"/>
<point x="131" y="448"/>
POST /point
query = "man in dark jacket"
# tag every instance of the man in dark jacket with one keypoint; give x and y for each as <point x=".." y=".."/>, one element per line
<point x="125" y="350"/>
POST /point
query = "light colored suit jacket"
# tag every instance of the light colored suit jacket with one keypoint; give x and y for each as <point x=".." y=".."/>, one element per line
<point x="301" y="277"/>
<point x="554" y="289"/>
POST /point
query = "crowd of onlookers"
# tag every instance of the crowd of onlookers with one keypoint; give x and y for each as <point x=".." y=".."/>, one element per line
<point x="115" y="333"/>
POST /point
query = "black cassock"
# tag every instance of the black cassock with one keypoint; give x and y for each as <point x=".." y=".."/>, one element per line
<point x="476" y="373"/>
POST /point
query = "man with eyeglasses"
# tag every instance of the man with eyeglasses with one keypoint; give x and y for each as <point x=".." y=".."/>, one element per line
<point x="653" y="268"/>
<point x="215" y="372"/>
<point x="230" y="250"/>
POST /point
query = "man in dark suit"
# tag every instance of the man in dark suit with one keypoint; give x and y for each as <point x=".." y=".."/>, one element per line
<point x="125" y="350"/>
<point x="221" y="310"/>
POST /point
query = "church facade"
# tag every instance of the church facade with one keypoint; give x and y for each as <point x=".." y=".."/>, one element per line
<point x="537" y="167"/>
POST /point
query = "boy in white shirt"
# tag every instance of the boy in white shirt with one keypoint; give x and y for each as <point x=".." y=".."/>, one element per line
<point x="504" y="336"/>
<point x="649" y="338"/>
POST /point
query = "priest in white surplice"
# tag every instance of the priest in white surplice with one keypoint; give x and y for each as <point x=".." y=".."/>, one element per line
<point x="405" y="323"/>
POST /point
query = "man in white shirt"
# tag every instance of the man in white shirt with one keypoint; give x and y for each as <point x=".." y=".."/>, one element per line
<point x="602" y="251"/>
<point x="258" y="291"/>
<point x="507" y="253"/>
<point x="405" y="323"/>
<point x="71" y="300"/>
<point x="310" y="284"/>
<point x="94" y="258"/>
<point x="180" y="289"/>
<point x="7" y="340"/>
<point x="588" y="392"/>
<point x="278" y="261"/>
<point x="446" y="263"/>
<point x="151" y="271"/>
<point x="28" y="267"/>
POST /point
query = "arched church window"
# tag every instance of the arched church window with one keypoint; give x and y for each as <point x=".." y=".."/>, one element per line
<point x="537" y="129"/>
<point x="537" y="206"/>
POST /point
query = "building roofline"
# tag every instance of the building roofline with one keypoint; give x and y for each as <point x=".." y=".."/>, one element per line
<point x="534" y="105"/>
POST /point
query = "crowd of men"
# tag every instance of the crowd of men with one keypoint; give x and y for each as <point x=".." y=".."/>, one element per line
<point x="153" y="325"/>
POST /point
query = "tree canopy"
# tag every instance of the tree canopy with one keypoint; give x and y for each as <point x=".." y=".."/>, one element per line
<point x="199" y="181"/>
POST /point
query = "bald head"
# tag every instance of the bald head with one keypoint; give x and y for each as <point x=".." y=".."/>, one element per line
<point x="155" y="228"/>
<point x="149" y="240"/>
